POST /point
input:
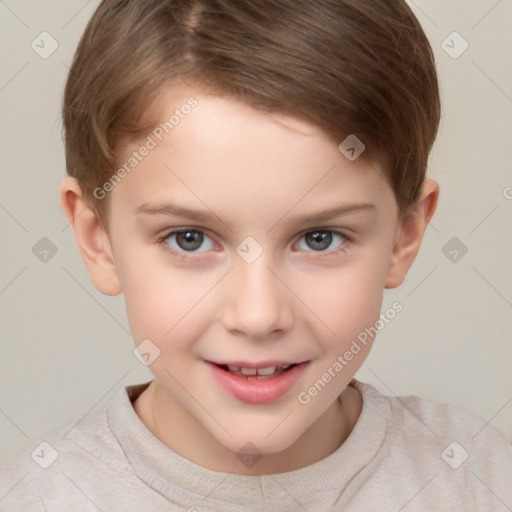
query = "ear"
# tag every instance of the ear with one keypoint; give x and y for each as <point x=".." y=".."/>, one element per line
<point x="410" y="234"/>
<point x="92" y="239"/>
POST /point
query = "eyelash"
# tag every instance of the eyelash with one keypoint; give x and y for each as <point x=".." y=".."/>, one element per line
<point x="162" y="240"/>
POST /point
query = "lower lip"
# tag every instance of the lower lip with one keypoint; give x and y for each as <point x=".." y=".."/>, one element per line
<point x="254" y="391"/>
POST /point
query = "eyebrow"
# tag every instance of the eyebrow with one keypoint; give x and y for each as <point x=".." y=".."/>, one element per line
<point x="178" y="211"/>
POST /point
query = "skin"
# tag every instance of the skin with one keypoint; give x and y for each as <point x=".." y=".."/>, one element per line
<point x="254" y="174"/>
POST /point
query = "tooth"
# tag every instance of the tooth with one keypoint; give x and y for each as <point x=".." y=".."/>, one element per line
<point x="285" y="366"/>
<point x="266" y="371"/>
<point x="249" y="371"/>
<point x="233" y="368"/>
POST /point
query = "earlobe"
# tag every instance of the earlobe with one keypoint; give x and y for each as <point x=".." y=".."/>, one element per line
<point x="92" y="239"/>
<point x="410" y="234"/>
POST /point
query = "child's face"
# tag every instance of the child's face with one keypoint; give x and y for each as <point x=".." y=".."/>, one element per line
<point x="258" y="185"/>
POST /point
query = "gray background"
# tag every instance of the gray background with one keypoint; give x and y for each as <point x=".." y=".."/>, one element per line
<point x="66" y="349"/>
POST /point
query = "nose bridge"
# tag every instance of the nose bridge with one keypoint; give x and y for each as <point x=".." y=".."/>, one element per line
<point x="258" y="303"/>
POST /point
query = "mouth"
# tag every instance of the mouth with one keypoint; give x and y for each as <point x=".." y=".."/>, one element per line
<point x="257" y="383"/>
<point x="262" y="371"/>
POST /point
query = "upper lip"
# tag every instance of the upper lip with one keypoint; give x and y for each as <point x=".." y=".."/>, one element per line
<point x="262" y="364"/>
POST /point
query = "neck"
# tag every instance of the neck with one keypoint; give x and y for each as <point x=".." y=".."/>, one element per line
<point x="183" y="434"/>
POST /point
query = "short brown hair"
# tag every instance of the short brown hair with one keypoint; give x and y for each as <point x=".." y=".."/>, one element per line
<point x="362" y="67"/>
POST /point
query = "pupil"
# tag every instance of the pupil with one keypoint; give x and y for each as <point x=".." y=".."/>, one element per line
<point x="322" y="238"/>
<point x="189" y="240"/>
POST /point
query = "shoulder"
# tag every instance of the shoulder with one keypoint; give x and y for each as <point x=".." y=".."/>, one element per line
<point x="47" y="468"/>
<point x="448" y="422"/>
<point x="421" y="418"/>
<point x="446" y="448"/>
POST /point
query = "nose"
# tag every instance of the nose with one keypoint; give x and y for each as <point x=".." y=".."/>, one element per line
<point x="258" y="303"/>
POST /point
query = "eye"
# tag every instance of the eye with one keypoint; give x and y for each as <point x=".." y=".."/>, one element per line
<point x="187" y="240"/>
<point x="323" y="241"/>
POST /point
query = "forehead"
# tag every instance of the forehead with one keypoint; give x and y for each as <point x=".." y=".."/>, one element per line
<point x="217" y="150"/>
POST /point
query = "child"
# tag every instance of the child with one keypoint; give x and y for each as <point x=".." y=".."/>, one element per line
<point x="251" y="176"/>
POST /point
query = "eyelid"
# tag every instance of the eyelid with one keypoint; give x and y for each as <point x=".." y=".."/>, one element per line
<point x="329" y="229"/>
<point x="176" y="231"/>
<point x="163" y="237"/>
<point x="345" y="241"/>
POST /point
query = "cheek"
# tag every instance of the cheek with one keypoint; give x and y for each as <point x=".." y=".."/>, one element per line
<point x="160" y="299"/>
<point x="346" y="299"/>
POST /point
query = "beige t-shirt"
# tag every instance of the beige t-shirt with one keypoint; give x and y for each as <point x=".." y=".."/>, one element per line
<point x="404" y="454"/>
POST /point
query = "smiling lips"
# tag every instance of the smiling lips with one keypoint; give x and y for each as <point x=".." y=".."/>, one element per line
<point x="257" y="383"/>
<point x="267" y="372"/>
<point x="265" y="369"/>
